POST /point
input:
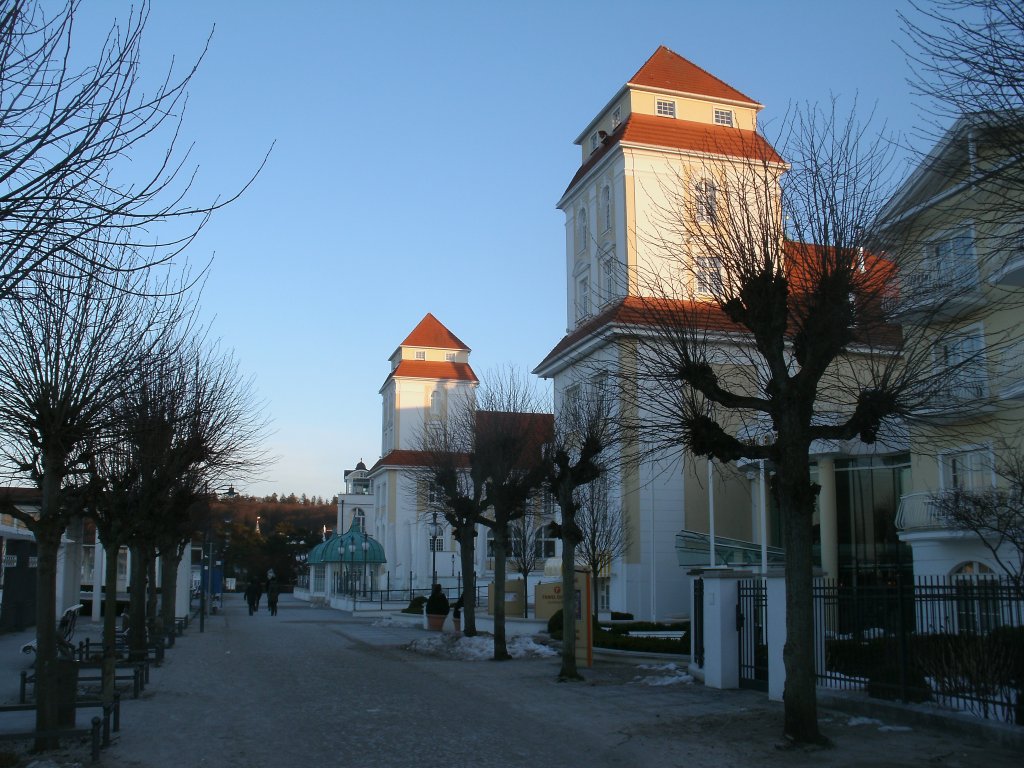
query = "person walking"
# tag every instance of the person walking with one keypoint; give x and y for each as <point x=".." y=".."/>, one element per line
<point x="272" y="592"/>
<point x="252" y="596"/>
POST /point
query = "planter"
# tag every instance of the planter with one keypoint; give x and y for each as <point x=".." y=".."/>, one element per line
<point x="435" y="621"/>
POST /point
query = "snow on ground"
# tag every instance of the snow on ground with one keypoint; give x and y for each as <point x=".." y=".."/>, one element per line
<point x="661" y="674"/>
<point x="479" y="648"/>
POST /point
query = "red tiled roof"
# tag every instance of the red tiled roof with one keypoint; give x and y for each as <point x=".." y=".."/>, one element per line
<point x="402" y="458"/>
<point x="687" y="135"/>
<point x="431" y="333"/>
<point x="667" y="69"/>
<point x="432" y="369"/>
<point x="21" y="495"/>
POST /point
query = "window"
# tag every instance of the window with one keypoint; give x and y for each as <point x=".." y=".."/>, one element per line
<point x="707" y="201"/>
<point x="609" y="276"/>
<point x="606" y="207"/>
<point x="963" y="367"/>
<point x="723" y="117"/>
<point x="359" y="519"/>
<point x="593" y="141"/>
<point x="581" y="229"/>
<point x="421" y="355"/>
<point x="617" y="118"/>
<point x="582" y="298"/>
<point x="544" y="544"/>
<point x="449" y="357"/>
<point x="966" y="470"/>
<point x="435" y="404"/>
<point x="709" y="275"/>
<point x="436" y="543"/>
<point x="665" y="108"/>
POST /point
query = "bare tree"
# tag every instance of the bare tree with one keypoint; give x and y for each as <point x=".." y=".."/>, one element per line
<point x="526" y="534"/>
<point x="482" y="466"/>
<point x="67" y="188"/>
<point x="511" y="432"/>
<point x="68" y="345"/>
<point x="604" y="536"/>
<point x="583" y="433"/>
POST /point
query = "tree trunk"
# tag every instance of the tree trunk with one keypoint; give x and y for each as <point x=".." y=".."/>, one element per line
<point x="169" y="589"/>
<point x="568" y="670"/>
<point x="47" y="545"/>
<point x="796" y="500"/>
<point x="467" y="544"/>
<point x="110" y="621"/>
<point x="137" y="604"/>
<point x="500" y="550"/>
<point x="153" y="597"/>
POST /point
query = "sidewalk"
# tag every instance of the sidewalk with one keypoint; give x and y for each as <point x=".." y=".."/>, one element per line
<point x="314" y="686"/>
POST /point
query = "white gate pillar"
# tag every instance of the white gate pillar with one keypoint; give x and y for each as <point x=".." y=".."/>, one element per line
<point x="721" y="640"/>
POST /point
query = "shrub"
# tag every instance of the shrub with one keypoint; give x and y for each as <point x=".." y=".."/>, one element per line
<point x="437" y="603"/>
<point x="555" y="625"/>
<point x="884" y="683"/>
<point x="415" y="605"/>
<point x="617" y="616"/>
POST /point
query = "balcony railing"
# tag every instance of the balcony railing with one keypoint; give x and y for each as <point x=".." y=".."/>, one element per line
<point x="919" y="511"/>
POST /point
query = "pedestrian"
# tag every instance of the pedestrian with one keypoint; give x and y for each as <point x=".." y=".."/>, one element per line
<point x="272" y="592"/>
<point x="252" y="596"/>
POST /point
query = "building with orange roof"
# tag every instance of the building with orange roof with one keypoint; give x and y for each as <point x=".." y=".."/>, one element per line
<point x="676" y="136"/>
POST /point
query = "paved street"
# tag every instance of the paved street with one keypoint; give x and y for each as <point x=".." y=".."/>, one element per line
<point x="316" y="687"/>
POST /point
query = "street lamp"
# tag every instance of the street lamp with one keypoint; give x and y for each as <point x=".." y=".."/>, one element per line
<point x="433" y="549"/>
<point x="206" y="558"/>
<point x="351" y="559"/>
<point x="366" y="546"/>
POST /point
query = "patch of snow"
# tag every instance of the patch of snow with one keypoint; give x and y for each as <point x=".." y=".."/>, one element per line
<point x="663" y="679"/>
<point x="895" y="729"/>
<point x="863" y="721"/>
<point x="387" y="621"/>
<point x="669" y="667"/>
<point x="478" y="648"/>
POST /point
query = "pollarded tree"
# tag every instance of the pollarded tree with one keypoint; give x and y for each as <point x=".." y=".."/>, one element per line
<point x="575" y="458"/>
<point x="68" y="347"/>
<point x="770" y="325"/>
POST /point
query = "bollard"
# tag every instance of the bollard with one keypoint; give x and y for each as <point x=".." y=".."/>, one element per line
<point x="95" y="739"/>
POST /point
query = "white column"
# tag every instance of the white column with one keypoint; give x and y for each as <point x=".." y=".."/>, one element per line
<point x="828" y="527"/>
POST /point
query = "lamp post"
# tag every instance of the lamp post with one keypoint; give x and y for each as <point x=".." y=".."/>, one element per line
<point x="433" y="549"/>
<point x="351" y="559"/>
<point x="366" y="546"/>
<point x="206" y="560"/>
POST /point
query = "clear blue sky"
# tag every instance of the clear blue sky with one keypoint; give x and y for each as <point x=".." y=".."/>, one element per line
<point x="420" y="150"/>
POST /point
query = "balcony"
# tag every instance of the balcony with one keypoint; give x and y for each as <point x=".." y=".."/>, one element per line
<point x="940" y="292"/>
<point x="919" y="512"/>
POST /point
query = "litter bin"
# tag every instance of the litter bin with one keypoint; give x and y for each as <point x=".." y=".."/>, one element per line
<point x="66" y="674"/>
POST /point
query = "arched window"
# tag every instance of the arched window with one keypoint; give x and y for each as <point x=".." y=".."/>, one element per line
<point x="707" y="201"/>
<point x="606" y="207"/>
<point x="435" y="404"/>
<point x="582" y="232"/>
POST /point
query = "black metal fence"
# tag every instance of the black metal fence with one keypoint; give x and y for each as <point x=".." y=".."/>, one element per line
<point x="752" y="626"/>
<point x="957" y="641"/>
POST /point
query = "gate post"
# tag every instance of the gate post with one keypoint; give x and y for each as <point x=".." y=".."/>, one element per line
<point x="776" y="596"/>
<point x="721" y="640"/>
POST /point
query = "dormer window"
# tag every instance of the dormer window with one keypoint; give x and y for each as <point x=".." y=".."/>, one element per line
<point x="449" y="357"/>
<point x="665" y="108"/>
<point x="617" y="117"/>
<point x="421" y="355"/>
<point x="723" y="117"/>
<point x="593" y="141"/>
